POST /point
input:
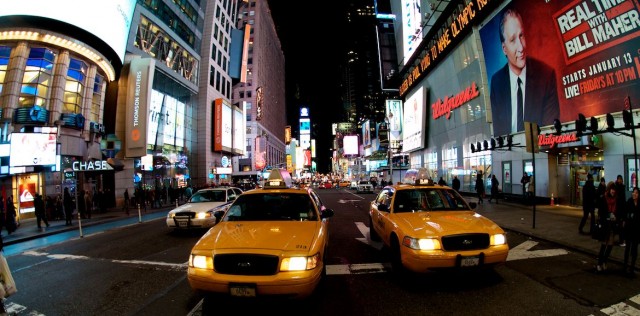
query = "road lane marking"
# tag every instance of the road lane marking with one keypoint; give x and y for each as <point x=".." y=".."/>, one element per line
<point x="173" y="266"/>
<point x="522" y="251"/>
<point x="363" y="268"/>
<point x="364" y="230"/>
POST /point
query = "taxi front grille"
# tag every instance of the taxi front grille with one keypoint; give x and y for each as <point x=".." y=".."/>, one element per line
<point x="465" y="242"/>
<point x="245" y="264"/>
<point x="186" y="214"/>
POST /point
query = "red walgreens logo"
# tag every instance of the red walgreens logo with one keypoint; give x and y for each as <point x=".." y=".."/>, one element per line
<point x="552" y="140"/>
<point x="440" y="108"/>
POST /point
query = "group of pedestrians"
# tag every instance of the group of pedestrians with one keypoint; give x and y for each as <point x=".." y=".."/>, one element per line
<point x="616" y="222"/>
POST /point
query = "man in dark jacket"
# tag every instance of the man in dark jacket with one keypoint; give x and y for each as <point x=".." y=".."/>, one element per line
<point x="41" y="216"/>
<point x="588" y="204"/>
<point x="621" y="212"/>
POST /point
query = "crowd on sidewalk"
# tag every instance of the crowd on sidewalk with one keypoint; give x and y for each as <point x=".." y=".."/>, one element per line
<point x="613" y="220"/>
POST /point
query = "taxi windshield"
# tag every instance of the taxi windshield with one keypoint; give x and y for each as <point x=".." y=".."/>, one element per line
<point x="209" y="196"/>
<point x="272" y="207"/>
<point x="428" y="199"/>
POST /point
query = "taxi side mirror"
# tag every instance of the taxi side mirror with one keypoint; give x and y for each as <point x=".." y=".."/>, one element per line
<point x="473" y="205"/>
<point x="218" y="215"/>
<point x="326" y="213"/>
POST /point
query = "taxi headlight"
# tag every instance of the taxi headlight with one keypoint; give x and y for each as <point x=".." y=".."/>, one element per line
<point x="498" y="239"/>
<point x="171" y="215"/>
<point x="300" y="263"/>
<point x="201" y="262"/>
<point x="421" y="243"/>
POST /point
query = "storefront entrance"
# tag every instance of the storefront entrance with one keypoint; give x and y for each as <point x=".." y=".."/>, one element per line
<point x="578" y="175"/>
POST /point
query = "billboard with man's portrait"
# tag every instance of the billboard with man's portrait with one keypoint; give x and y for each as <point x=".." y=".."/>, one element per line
<point x="555" y="59"/>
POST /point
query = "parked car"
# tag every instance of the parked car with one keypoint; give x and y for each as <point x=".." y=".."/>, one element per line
<point x="199" y="209"/>
<point x="271" y="242"/>
<point x="428" y="227"/>
<point x="326" y="185"/>
<point x="364" y="187"/>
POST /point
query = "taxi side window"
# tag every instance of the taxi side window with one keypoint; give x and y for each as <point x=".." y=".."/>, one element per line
<point x="384" y="198"/>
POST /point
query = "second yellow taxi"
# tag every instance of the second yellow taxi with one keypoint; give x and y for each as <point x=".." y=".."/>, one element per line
<point x="428" y="226"/>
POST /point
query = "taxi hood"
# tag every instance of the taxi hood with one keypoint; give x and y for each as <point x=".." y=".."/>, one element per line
<point x="446" y="223"/>
<point x="277" y="235"/>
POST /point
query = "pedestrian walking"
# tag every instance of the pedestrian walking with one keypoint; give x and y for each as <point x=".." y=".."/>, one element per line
<point x="40" y="211"/>
<point x="89" y="204"/>
<point x="607" y="219"/>
<point x="632" y="232"/>
<point x="11" y="222"/>
<point x="480" y="187"/>
<point x="495" y="189"/>
<point x="442" y="182"/>
<point x="525" y="182"/>
<point x="126" y="201"/>
<point x="622" y="203"/>
<point x="456" y="183"/>
<point x="69" y="206"/>
<point x="589" y="197"/>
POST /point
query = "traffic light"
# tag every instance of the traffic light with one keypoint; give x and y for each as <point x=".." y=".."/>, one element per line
<point x="627" y="119"/>
<point x="581" y="124"/>
<point x="500" y="141"/>
<point x="594" y="125"/>
<point x="610" y="122"/>
<point x="486" y="144"/>
<point x="478" y="147"/>
<point x="509" y="141"/>
<point x="558" y="126"/>
<point x="473" y="148"/>
<point x="493" y="143"/>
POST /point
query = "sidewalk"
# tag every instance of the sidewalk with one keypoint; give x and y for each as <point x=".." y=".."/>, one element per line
<point x="29" y="230"/>
<point x="557" y="224"/>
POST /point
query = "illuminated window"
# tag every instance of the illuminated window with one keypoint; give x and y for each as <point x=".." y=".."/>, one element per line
<point x="5" y="52"/>
<point x="74" y="87"/>
<point x="37" y="77"/>
<point x="96" y="101"/>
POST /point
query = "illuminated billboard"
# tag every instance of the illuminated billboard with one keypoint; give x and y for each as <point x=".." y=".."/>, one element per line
<point x="414" y="117"/>
<point x="580" y="57"/>
<point x="350" y="144"/>
<point x="109" y="21"/>
<point x="305" y="126"/>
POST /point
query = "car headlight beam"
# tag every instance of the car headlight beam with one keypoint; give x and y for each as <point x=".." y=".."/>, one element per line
<point x="422" y="243"/>
<point x="299" y="263"/>
<point x="201" y="262"/>
<point x="498" y="239"/>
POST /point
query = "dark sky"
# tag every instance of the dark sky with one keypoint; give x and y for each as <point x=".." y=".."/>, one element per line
<point x="311" y="38"/>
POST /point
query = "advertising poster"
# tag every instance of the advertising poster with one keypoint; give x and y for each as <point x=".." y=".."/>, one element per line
<point x="571" y="56"/>
<point x="414" y="121"/>
<point x="27" y="195"/>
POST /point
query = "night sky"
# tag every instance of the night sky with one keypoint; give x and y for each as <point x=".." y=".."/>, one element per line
<point x="311" y="38"/>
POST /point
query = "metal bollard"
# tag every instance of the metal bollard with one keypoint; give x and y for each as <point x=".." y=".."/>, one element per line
<point x="139" y="214"/>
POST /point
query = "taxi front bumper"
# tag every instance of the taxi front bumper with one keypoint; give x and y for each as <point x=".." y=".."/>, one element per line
<point x="298" y="284"/>
<point x="422" y="261"/>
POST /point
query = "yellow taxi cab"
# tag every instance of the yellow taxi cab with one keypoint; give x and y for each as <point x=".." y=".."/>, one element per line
<point x="427" y="226"/>
<point x="271" y="241"/>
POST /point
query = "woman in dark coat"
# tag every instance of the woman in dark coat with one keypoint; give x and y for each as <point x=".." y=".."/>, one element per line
<point x="631" y="231"/>
<point x="607" y="207"/>
<point x="11" y="222"/>
<point x="480" y="188"/>
<point x="495" y="189"/>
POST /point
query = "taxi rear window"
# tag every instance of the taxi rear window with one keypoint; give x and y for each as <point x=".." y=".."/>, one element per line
<point x="428" y="199"/>
<point x="272" y="207"/>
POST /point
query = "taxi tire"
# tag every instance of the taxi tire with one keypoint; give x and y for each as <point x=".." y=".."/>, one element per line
<point x="373" y="235"/>
<point x="396" y="257"/>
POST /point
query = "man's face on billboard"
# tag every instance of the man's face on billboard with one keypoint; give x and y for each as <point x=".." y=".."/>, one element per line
<point x="514" y="45"/>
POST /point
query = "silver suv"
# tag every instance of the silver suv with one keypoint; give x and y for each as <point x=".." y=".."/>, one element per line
<point x="364" y="187"/>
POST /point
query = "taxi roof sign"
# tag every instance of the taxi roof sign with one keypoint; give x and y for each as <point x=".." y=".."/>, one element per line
<point x="418" y="176"/>
<point x="278" y="178"/>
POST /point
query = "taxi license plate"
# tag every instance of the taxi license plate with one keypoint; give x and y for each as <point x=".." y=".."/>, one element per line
<point x="469" y="261"/>
<point x="242" y="290"/>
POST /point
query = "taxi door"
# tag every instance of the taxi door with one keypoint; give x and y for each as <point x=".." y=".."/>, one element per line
<point x="380" y="210"/>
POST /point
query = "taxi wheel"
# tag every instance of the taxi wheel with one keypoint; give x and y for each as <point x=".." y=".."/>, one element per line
<point x="396" y="257"/>
<point x="372" y="232"/>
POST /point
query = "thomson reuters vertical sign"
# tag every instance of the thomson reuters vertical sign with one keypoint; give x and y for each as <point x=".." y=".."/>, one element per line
<point x="139" y="83"/>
